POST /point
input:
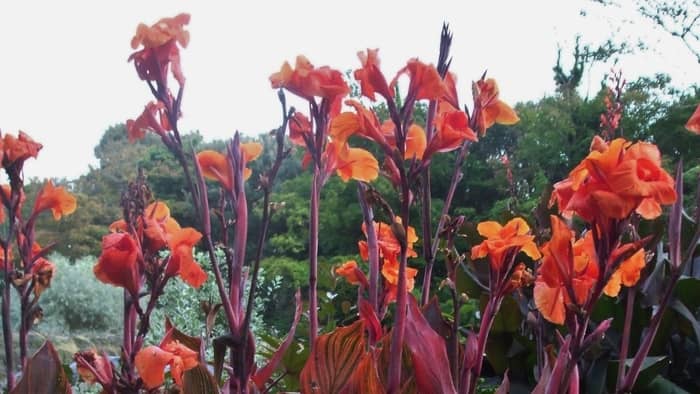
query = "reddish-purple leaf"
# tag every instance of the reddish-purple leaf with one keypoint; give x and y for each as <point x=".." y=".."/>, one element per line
<point x="335" y="358"/>
<point x="428" y="353"/>
<point x="372" y="323"/>
<point x="263" y="374"/>
<point x="199" y="380"/>
<point x="366" y="378"/>
<point x="43" y="374"/>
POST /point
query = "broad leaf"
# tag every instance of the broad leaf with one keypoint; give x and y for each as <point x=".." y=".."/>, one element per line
<point x="43" y="374"/>
<point x="199" y="380"/>
<point x="334" y="359"/>
<point x="264" y="373"/>
<point x="428" y="353"/>
<point x="366" y="378"/>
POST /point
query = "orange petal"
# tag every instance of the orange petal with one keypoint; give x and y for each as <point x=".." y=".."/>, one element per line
<point x="55" y="198"/>
<point x="251" y="150"/>
<point x="150" y="363"/>
<point x="215" y="166"/>
<point x="415" y="142"/>
<point x="550" y="302"/>
<point x="358" y="164"/>
<point x="489" y="229"/>
<point x="693" y="123"/>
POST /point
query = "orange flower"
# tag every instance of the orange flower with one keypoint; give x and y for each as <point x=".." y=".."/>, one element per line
<point x="627" y="274"/>
<point x="151" y="361"/>
<point x="693" y="123"/>
<point x="163" y="31"/>
<point x="250" y="151"/>
<point x="389" y="247"/>
<point x="215" y="166"/>
<point x="42" y="272"/>
<point x="153" y="118"/>
<point x="307" y="81"/>
<point x="390" y="272"/>
<point x="566" y="269"/>
<point x="355" y="163"/>
<point x="425" y="82"/>
<point x="19" y="148"/>
<point x="181" y="260"/>
<point x="453" y="129"/>
<point x="55" y="198"/>
<point x="502" y="240"/>
<point x="118" y="265"/>
<point x="370" y="76"/>
<point x="352" y="273"/>
<point x="492" y="109"/>
<point x="614" y="180"/>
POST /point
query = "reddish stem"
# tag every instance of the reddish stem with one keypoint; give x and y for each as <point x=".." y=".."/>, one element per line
<point x="624" y="346"/>
<point x="313" y="255"/>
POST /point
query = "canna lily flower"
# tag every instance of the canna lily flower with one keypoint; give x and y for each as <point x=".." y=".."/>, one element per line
<point x="370" y="76"/>
<point x="118" y="263"/>
<point x="355" y="163"/>
<point x="164" y="30"/>
<point x="307" y="81"/>
<point x="95" y="368"/>
<point x="55" y="198"/>
<point x="503" y="240"/>
<point x="452" y="129"/>
<point x="491" y="109"/>
<point x="215" y="166"/>
<point x="389" y="246"/>
<point x="181" y="261"/>
<point x="627" y="274"/>
<point x="693" y="123"/>
<point x="352" y="273"/>
<point x="425" y="82"/>
<point x="153" y="118"/>
<point x="299" y="129"/>
<point x="151" y="361"/>
<point x="160" y="49"/>
<point x="18" y="149"/>
<point x="390" y="272"/>
<point x="42" y="272"/>
<point x="614" y="180"/>
<point x="567" y="269"/>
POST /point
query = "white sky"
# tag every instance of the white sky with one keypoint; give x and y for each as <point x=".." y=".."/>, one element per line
<point x="64" y="76"/>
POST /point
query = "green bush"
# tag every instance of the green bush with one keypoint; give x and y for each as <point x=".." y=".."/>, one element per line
<point x="77" y="301"/>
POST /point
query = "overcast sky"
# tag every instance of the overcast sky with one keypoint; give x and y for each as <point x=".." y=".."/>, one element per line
<point x="64" y="76"/>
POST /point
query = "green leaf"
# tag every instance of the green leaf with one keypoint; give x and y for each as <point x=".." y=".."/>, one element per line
<point x="683" y="310"/>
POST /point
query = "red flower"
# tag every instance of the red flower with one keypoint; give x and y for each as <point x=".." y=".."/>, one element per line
<point x="153" y="118"/>
<point x="425" y="82"/>
<point x="370" y="76"/>
<point x="118" y="265"/>
<point x="181" y="260"/>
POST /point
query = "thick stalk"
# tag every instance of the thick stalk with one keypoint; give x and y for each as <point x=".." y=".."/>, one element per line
<point x="396" y="349"/>
<point x="426" y="213"/>
<point x="624" y="346"/>
<point x="644" y="348"/>
<point x="7" y="327"/>
<point x="313" y="255"/>
<point x="372" y="248"/>
<point x="489" y="314"/>
<point x="454" y="340"/>
<point x="456" y="177"/>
